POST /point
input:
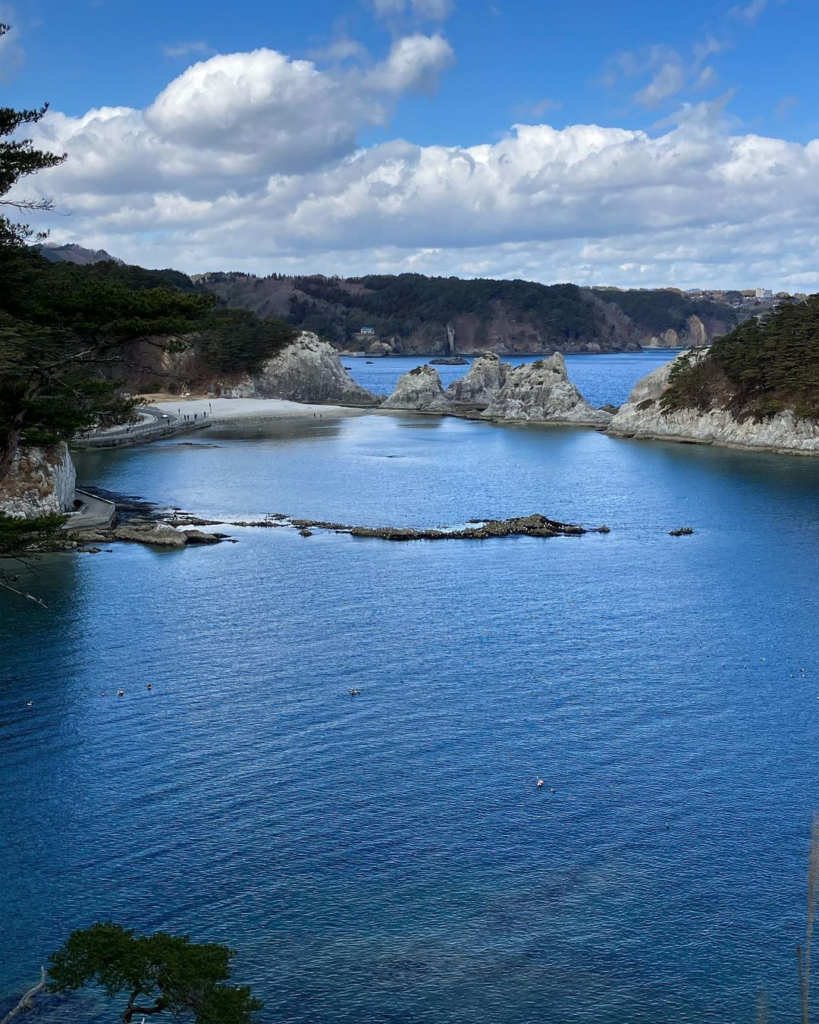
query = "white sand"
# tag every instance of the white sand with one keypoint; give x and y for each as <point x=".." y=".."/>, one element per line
<point x="223" y="410"/>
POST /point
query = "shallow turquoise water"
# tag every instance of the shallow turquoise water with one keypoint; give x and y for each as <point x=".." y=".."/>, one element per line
<point x="388" y="858"/>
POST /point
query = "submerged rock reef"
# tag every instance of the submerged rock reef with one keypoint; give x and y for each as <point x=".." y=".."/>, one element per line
<point x="535" y="525"/>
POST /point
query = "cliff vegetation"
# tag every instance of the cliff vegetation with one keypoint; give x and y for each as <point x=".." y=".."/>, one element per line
<point x="765" y="366"/>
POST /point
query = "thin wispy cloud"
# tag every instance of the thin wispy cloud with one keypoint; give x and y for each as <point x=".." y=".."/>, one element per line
<point x="536" y="110"/>
<point x="187" y="49"/>
<point x="749" y="13"/>
<point x="339" y="50"/>
<point x="786" y="106"/>
<point x="420" y="10"/>
<point x="670" y="71"/>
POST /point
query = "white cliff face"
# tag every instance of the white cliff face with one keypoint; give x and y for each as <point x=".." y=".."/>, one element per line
<point x="479" y="387"/>
<point x="542" y="392"/>
<point x="644" y="416"/>
<point x="653" y="384"/>
<point x="41" y="482"/>
<point x="309" y="370"/>
<point x="419" y="390"/>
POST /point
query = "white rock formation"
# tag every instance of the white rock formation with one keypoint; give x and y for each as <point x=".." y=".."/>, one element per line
<point x="309" y="370"/>
<point x="41" y="482"/>
<point x="480" y="386"/>
<point x="644" y="416"/>
<point x="542" y="392"/>
<point x="419" y="390"/>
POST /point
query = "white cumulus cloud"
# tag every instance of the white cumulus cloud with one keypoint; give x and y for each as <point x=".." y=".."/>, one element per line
<point x="250" y="161"/>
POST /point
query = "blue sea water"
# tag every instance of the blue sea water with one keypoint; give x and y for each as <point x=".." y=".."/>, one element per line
<point x="388" y="858"/>
<point x="601" y="378"/>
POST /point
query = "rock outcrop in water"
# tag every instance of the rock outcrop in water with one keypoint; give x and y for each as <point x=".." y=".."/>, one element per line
<point x="480" y="386"/>
<point x="542" y="392"/>
<point x="41" y="482"/>
<point x="309" y="370"/>
<point x="539" y="392"/>
<point x="535" y="525"/>
<point x="645" y="416"/>
<point x="419" y="390"/>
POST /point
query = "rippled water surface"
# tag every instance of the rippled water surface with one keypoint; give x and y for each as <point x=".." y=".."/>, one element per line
<point x="388" y="858"/>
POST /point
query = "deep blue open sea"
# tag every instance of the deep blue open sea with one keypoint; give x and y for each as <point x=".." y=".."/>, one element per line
<point x="388" y="859"/>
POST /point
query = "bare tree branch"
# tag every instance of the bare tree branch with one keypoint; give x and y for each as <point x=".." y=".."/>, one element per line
<point x="27" y="1002"/>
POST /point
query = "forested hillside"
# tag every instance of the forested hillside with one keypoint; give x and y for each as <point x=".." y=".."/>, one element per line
<point x="763" y="367"/>
<point x="74" y="337"/>
<point x="413" y="314"/>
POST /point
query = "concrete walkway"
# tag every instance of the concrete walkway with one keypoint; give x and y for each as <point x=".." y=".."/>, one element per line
<point x="93" y="513"/>
<point x="153" y="423"/>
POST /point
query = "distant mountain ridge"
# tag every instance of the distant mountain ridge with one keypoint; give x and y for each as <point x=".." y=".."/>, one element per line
<point x="409" y="314"/>
<point x="73" y="253"/>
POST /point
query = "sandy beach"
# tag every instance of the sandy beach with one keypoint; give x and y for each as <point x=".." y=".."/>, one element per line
<point x="224" y="410"/>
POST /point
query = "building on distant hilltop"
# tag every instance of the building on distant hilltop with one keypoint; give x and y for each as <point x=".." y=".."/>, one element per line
<point x="763" y="293"/>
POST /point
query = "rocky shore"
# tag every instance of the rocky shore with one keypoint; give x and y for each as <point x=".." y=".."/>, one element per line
<point x="645" y="416"/>
<point x="535" y="525"/>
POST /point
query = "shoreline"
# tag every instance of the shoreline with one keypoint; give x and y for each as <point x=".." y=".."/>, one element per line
<point x="235" y="410"/>
<point x="703" y="443"/>
<point x="248" y="410"/>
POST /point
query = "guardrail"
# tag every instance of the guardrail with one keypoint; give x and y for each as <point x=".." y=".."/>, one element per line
<point x="93" y="513"/>
<point x="138" y="433"/>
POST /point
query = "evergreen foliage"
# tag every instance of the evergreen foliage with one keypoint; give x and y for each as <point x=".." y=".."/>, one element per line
<point x="64" y="328"/>
<point x="236" y="340"/>
<point x="661" y="310"/>
<point x="158" y="973"/>
<point x="764" y="366"/>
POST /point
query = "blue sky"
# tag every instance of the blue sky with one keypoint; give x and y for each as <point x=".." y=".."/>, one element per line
<point x="204" y="184"/>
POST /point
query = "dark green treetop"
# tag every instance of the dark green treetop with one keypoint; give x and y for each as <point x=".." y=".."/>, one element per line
<point x="764" y="366"/>
<point x="154" y="974"/>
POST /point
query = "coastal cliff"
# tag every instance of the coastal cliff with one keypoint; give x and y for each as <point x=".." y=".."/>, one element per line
<point x="307" y="370"/>
<point x="542" y="392"/>
<point x="40" y="482"/>
<point x="648" y="414"/>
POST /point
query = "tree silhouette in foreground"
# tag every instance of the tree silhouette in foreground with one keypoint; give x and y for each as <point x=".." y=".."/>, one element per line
<point x="158" y="973"/>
